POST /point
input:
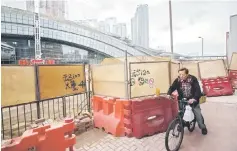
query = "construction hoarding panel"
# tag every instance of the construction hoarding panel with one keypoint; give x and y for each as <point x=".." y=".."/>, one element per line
<point x="212" y="69"/>
<point x="162" y="58"/>
<point x="56" y="80"/>
<point x="233" y="62"/>
<point x="134" y="59"/>
<point x="18" y="85"/>
<point x="110" y="61"/>
<point x="192" y="67"/>
<point x="109" y="80"/>
<point x="146" y="77"/>
<point x="174" y="70"/>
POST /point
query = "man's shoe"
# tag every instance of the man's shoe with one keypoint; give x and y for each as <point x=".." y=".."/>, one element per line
<point x="204" y="131"/>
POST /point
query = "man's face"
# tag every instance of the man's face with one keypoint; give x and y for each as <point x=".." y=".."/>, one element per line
<point x="182" y="75"/>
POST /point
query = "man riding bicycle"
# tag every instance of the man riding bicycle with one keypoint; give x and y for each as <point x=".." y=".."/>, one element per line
<point x="188" y="87"/>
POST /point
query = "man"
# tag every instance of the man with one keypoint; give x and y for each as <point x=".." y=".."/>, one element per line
<point x="188" y="87"/>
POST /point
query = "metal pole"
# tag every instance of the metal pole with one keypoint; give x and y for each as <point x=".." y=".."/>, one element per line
<point x="37" y="30"/>
<point x="226" y="47"/>
<point x="37" y="92"/>
<point x="171" y="27"/>
<point x="202" y="47"/>
<point x="202" y="44"/>
<point x="126" y="74"/>
<point x="89" y="88"/>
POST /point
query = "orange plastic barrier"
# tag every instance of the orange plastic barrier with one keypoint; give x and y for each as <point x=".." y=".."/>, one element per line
<point x="217" y="86"/>
<point x="108" y="115"/>
<point x="127" y="109"/>
<point x="233" y="78"/>
<point x="54" y="138"/>
<point x="45" y="138"/>
<point x="136" y="117"/>
<point x="24" y="143"/>
<point x="97" y="103"/>
<point x="147" y="116"/>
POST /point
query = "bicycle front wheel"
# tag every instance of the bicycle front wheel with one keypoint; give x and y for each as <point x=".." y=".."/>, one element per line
<point x="174" y="131"/>
<point x="192" y="125"/>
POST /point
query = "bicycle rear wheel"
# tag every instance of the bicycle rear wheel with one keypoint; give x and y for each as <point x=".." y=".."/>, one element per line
<point x="174" y="130"/>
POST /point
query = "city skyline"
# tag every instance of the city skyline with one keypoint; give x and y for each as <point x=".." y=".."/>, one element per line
<point x="52" y="8"/>
<point x="191" y="19"/>
<point x="109" y="26"/>
<point x="140" y="26"/>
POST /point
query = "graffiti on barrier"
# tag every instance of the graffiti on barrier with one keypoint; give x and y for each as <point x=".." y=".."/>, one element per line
<point x="70" y="81"/>
<point x="139" y="72"/>
<point x="138" y="76"/>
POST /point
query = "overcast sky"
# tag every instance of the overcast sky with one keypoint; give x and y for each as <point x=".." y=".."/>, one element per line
<point x="191" y="19"/>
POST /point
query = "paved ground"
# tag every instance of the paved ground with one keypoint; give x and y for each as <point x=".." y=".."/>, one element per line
<point x="220" y="117"/>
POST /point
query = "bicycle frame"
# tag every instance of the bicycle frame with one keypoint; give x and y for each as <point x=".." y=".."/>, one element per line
<point x="180" y="123"/>
<point x="182" y="104"/>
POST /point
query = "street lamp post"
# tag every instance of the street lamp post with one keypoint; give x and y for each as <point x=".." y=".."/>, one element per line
<point x="171" y="27"/>
<point x="202" y="44"/>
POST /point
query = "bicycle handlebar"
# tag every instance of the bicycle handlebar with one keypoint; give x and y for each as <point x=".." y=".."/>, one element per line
<point x="184" y="100"/>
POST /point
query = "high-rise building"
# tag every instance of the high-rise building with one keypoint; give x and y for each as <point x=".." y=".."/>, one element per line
<point x="140" y="26"/>
<point x="232" y="37"/>
<point x="14" y="4"/>
<point x="110" y="22"/>
<point x="104" y="27"/>
<point x="120" y="29"/>
<point x="51" y="8"/>
<point x="93" y="23"/>
<point x="109" y="26"/>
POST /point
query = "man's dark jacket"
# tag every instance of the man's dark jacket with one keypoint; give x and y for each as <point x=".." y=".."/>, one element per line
<point x="195" y="90"/>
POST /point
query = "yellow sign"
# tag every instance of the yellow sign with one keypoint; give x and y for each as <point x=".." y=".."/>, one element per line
<point x="18" y="85"/>
<point x="56" y="81"/>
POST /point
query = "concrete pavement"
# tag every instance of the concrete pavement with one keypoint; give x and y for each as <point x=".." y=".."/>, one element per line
<point x="220" y="115"/>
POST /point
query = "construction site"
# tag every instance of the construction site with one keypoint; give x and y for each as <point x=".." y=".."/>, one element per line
<point x="107" y="105"/>
<point x="66" y="86"/>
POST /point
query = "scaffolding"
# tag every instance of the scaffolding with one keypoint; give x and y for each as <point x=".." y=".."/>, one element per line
<point x="37" y="31"/>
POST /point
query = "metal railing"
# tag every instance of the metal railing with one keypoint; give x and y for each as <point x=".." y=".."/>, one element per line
<point x="199" y="58"/>
<point x="18" y="118"/>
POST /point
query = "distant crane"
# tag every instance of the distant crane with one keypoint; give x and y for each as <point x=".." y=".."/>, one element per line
<point x="37" y="30"/>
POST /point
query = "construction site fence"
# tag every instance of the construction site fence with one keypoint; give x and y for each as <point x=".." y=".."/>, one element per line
<point x="57" y="91"/>
<point x="50" y="92"/>
<point x="146" y="78"/>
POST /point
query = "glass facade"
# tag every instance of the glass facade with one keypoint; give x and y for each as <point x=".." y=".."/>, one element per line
<point x="24" y="49"/>
<point x="20" y="22"/>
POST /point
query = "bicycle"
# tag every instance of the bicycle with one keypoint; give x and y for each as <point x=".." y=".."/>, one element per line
<point x="180" y="124"/>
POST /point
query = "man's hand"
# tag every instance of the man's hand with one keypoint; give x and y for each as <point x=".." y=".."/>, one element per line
<point x="191" y="101"/>
<point x="169" y="96"/>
